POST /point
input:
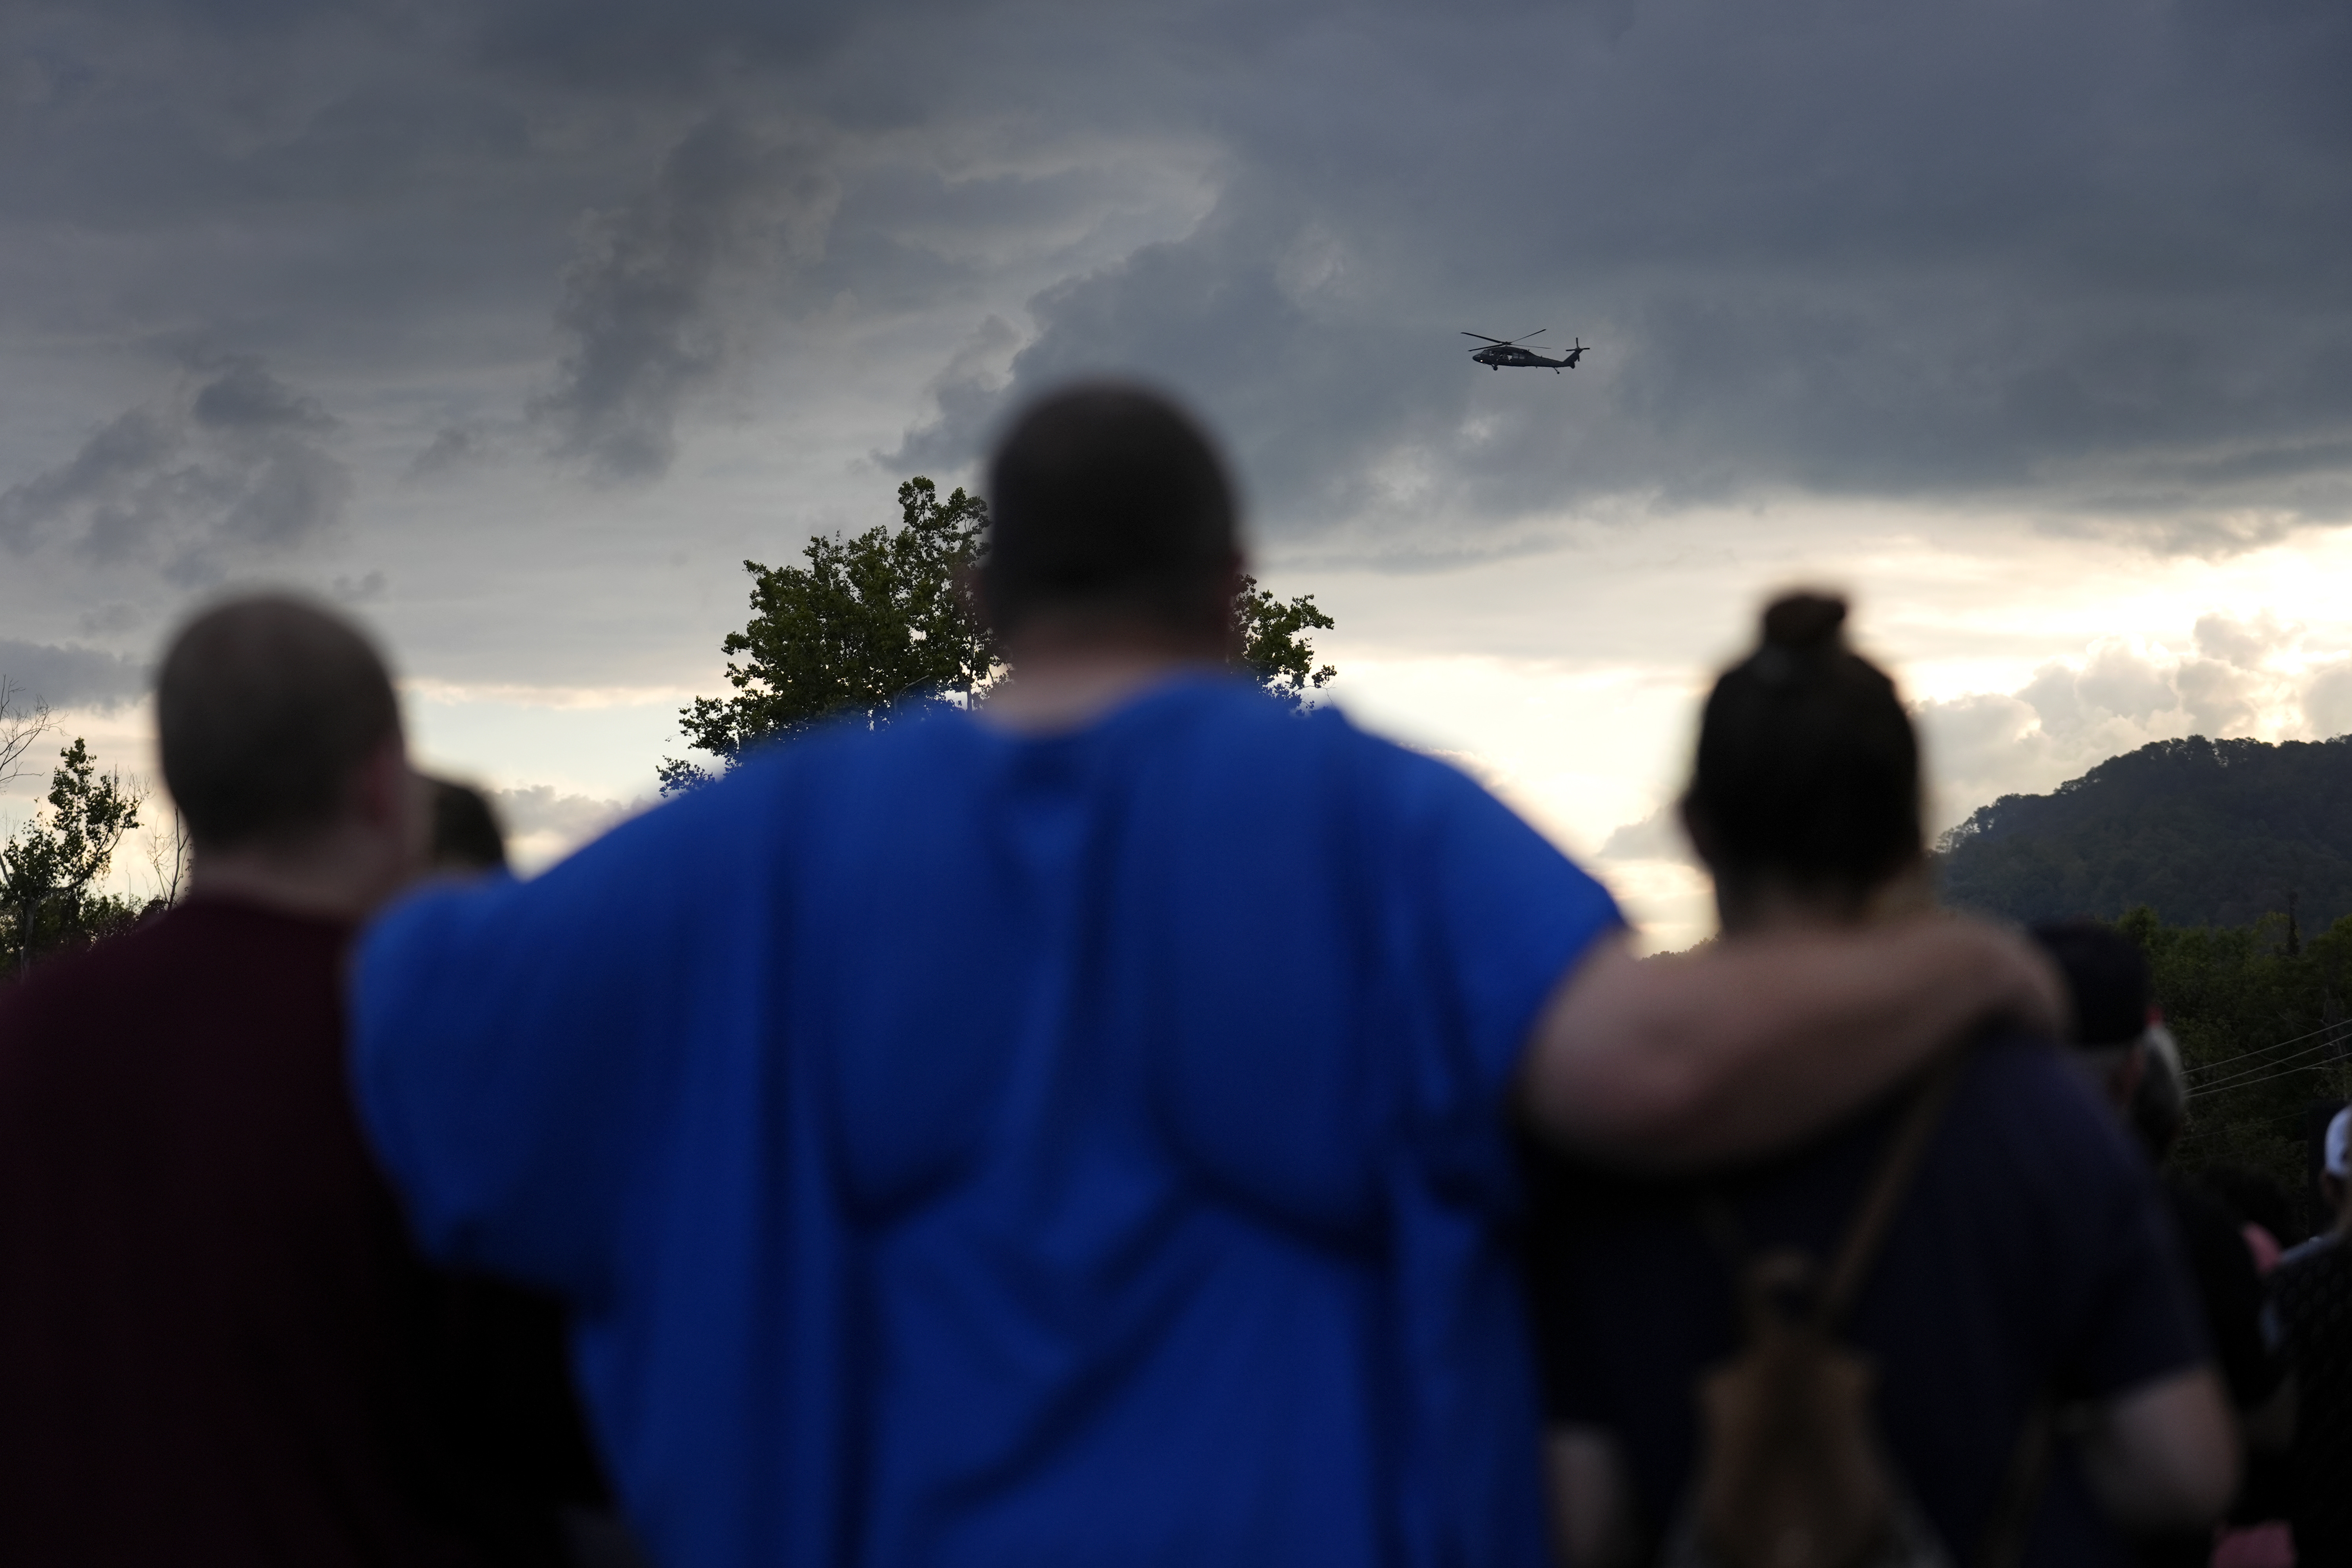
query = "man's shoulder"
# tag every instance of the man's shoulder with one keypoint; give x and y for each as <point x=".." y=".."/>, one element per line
<point x="2030" y="1080"/>
<point x="1214" y="717"/>
<point x="1240" y="719"/>
<point x="1224" y="748"/>
<point x="1227" y="711"/>
<point x="1237" y="739"/>
<point x="2032" y="1122"/>
<point x="203" y="940"/>
<point x="69" y="1001"/>
<point x="64" y="980"/>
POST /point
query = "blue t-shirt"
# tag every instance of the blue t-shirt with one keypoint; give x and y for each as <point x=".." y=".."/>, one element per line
<point x="966" y="1149"/>
<point x="2034" y="1255"/>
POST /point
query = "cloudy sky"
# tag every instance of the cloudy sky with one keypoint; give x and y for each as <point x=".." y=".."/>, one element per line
<point x="516" y="325"/>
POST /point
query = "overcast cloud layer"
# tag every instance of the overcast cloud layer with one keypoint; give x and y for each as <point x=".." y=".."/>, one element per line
<point x="520" y="322"/>
<point x="2089" y="254"/>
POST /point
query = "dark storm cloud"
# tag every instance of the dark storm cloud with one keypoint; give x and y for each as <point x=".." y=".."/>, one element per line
<point x="2067" y="259"/>
<point x="2083" y="261"/>
<point x="629" y="46"/>
<point x="453" y="447"/>
<point x="65" y="676"/>
<point x="231" y="466"/>
<point x="667" y="287"/>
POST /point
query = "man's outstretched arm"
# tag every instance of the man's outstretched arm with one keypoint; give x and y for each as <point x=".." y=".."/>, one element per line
<point x="1689" y="1060"/>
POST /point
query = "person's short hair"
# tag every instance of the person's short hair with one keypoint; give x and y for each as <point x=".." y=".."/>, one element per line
<point x="2106" y="975"/>
<point x="264" y="709"/>
<point x="466" y="834"/>
<point x="1109" y="496"/>
<point x="1808" y="770"/>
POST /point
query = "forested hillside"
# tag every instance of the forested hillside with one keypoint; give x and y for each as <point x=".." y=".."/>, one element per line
<point x="2202" y="832"/>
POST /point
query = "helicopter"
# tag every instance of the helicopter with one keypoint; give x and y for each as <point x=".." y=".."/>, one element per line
<point x="1506" y="351"/>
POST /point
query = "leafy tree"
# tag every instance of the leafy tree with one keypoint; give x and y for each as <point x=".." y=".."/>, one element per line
<point x="875" y="623"/>
<point x="868" y="623"/>
<point x="49" y="868"/>
<point x="1273" y="645"/>
<point x="2259" y="1016"/>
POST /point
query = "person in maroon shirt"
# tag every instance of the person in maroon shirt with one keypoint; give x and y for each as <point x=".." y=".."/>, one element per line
<point x="211" y="1348"/>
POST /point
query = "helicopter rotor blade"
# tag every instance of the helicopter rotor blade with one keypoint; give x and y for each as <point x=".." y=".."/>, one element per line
<point x="1537" y="333"/>
<point x="1503" y="341"/>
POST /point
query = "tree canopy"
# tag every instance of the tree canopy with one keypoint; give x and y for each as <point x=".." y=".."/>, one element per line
<point x="1273" y="646"/>
<point x="881" y="621"/>
<point x="51" y="869"/>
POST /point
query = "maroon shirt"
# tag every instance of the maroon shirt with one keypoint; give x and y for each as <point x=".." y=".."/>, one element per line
<point x="208" y="1304"/>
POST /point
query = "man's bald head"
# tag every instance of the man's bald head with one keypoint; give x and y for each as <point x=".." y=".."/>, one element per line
<point x="1107" y="499"/>
<point x="266" y="707"/>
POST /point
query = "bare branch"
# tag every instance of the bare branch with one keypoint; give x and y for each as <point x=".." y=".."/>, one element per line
<point x="167" y="858"/>
<point x="20" y="726"/>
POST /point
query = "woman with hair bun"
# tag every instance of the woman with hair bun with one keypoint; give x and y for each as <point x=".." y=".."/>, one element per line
<point x="1851" y="1353"/>
<point x="1804" y="801"/>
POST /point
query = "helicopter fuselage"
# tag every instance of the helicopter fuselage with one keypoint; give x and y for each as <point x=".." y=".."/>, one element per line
<point x="1498" y="356"/>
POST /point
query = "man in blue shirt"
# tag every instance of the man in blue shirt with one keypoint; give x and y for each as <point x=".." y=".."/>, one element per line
<point x="1075" y="1131"/>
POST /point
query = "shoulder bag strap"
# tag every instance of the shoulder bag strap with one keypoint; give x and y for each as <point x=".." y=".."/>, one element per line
<point x="1905" y="1149"/>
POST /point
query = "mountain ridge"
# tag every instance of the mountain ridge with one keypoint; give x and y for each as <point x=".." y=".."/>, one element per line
<point x="2204" y="832"/>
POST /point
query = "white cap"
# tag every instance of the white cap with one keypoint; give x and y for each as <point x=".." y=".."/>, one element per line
<point x="2339" y="1144"/>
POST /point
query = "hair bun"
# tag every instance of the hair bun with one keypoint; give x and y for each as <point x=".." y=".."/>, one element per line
<point x="1804" y="623"/>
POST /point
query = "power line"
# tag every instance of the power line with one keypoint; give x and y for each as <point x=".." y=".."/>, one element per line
<point x="2258" y="1051"/>
<point x="2249" y="1081"/>
<point x="2256" y="1073"/>
<point x="2267" y="1078"/>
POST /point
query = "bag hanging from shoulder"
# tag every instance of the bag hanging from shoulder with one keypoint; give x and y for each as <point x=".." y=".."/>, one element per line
<point x="1792" y="1471"/>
